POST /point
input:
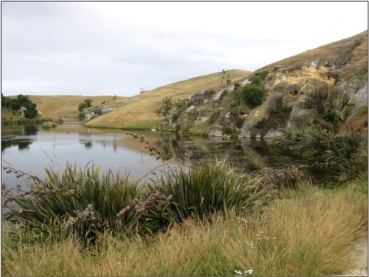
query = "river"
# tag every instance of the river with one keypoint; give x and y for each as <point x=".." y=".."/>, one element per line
<point x="32" y="149"/>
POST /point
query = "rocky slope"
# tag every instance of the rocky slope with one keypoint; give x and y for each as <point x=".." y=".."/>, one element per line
<point x="326" y="86"/>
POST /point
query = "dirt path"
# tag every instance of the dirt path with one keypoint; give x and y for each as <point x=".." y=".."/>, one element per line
<point x="360" y="254"/>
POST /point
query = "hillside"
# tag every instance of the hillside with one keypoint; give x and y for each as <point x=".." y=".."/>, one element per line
<point x="67" y="105"/>
<point x="139" y="111"/>
<point x="326" y="86"/>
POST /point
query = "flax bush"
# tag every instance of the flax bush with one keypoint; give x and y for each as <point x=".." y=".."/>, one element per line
<point x="203" y="189"/>
<point x="343" y="156"/>
<point x="85" y="203"/>
<point x="80" y="201"/>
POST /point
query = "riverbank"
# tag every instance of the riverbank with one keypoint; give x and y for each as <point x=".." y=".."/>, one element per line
<point x="306" y="231"/>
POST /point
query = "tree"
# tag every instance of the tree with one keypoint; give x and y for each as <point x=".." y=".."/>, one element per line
<point x="85" y="104"/>
<point x="81" y="106"/>
<point x="165" y="107"/>
<point x="88" y="103"/>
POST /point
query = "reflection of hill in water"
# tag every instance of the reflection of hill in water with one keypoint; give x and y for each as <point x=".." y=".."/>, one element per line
<point x="246" y="155"/>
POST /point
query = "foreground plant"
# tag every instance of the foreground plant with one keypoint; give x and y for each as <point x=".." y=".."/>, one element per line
<point x="308" y="233"/>
<point x="86" y="202"/>
<point x="204" y="189"/>
<point x="81" y="201"/>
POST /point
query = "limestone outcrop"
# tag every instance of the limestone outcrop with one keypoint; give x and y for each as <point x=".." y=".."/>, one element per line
<point x="299" y="89"/>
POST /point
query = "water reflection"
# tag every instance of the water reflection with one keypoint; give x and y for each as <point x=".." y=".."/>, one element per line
<point x="23" y="144"/>
<point x="31" y="149"/>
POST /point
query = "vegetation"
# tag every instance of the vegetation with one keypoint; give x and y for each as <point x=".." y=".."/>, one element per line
<point x="165" y="108"/>
<point x="226" y="77"/>
<point x="83" y="203"/>
<point x="85" y="104"/>
<point x="139" y="110"/>
<point x="81" y="116"/>
<point x="205" y="219"/>
<point x="253" y="94"/>
<point x="342" y="155"/>
<point x="358" y="42"/>
<point x="280" y="113"/>
<point x="21" y="101"/>
<point x="48" y="125"/>
<point x="322" y="225"/>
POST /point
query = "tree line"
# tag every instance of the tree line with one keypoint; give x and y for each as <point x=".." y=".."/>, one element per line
<point x="15" y="104"/>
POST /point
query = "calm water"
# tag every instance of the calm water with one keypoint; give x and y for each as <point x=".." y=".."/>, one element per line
<point x="31" y="149"/>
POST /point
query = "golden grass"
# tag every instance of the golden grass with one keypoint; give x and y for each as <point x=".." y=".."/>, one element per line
<point x="328" y="51"/>
<point x="309" y="232"/>
<point x="67" y="105"/>
<point x="139" y="110"/>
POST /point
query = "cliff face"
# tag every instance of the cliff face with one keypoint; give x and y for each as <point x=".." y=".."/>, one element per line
<point x="321" y="86"/>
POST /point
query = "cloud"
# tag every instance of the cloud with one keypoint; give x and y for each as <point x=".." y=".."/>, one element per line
<point x="113" y="48"/>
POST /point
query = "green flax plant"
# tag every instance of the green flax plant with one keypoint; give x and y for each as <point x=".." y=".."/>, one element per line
<point x="75" y="201"/>
<point x="201" y="190"/>
<point x="340" y="155"/>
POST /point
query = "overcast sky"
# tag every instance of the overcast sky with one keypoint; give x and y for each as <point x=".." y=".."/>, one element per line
<point x="119" y="48"/>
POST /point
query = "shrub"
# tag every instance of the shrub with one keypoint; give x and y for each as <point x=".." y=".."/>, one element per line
<point x="330" y="113"/>
<point x="75" y="201"/>
<point x="253" y="95"/>
<point x="48" y="125"/>
<point x="81" y="106"/>
<point x="234" y="136"/>
<point x="337" y="154"/>
<point x="206" y="188"/>
<point x="81" y="116"/>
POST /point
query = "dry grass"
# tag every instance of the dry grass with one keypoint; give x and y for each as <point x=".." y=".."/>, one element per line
<point x="67" y="105"/>
<point x="139" y="111"/>
<point x="330" y="51"/>
<point x="313" y="231"/>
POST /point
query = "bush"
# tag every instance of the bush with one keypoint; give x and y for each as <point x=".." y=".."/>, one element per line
<point x="76" y="201"/>
<point x="330" y="114"/>
<point x="253" y="95"/>
<point x="81" y="116"/>
<point x="48" y="125"/>
<point x="337" y="154"/>
<point x="206" y="188"/>
<point x="81" y="106"/>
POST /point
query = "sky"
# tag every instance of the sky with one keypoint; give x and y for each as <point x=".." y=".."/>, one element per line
<point x="121" y="48"/>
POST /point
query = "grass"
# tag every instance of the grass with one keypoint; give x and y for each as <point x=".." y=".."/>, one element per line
<point x="331" y="51"/>
<point x="306" y="232"/>
<point x="139" y="110"/>
<point x="67" y="105"/>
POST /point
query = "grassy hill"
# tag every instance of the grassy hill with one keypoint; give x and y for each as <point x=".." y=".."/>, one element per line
<point x="139" y="111"/>
<point x="67" y="105"/>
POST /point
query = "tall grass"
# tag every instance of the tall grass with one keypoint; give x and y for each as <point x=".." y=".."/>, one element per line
<point x="307" y="233"/>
